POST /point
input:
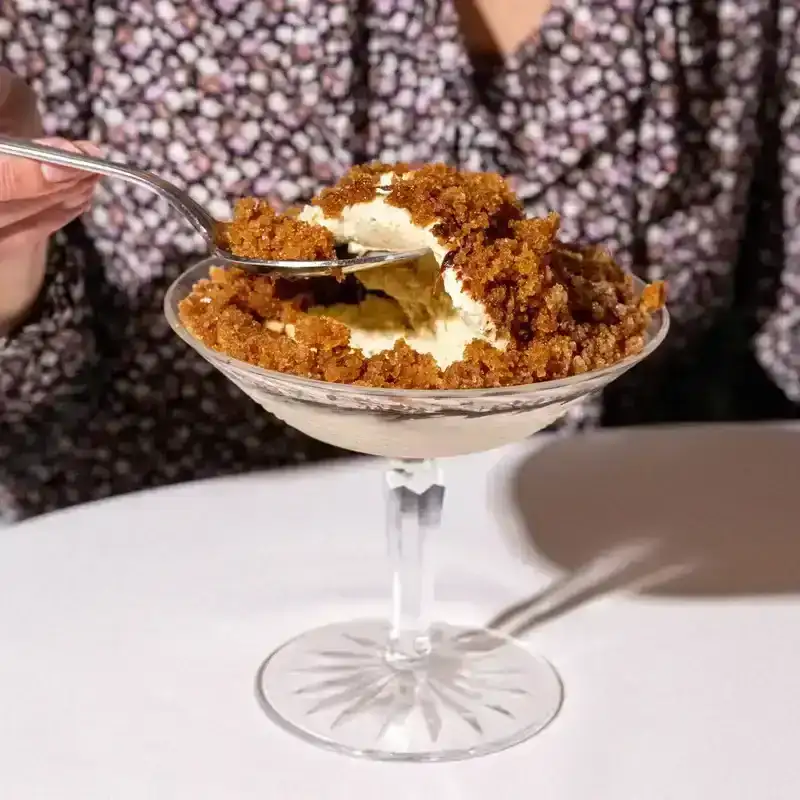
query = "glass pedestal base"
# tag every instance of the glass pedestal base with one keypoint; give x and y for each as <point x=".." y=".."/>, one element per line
<point x="475" y="693"/>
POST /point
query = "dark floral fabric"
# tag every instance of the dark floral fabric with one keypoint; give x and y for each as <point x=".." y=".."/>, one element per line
<point x="667" y="129"/>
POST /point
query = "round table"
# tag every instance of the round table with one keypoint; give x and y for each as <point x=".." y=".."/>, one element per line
<point x="658" y="570"/>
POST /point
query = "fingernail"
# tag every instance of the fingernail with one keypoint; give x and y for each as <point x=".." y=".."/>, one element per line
<point x="79" y="200"/>
<point x="54" y="174"/>
<point x="84" y="209"/>
<point x="90" y="149"/>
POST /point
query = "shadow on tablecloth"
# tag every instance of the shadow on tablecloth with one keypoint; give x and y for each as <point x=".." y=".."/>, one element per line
<point x="693" y="512"/>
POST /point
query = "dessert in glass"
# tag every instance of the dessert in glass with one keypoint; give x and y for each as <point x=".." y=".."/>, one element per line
<point x="491" y="337"/>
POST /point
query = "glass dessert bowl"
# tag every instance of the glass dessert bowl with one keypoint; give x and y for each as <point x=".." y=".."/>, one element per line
<point x="409" y="687"/>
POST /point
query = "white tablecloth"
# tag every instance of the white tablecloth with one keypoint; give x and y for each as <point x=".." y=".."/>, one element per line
<point x="660" y="572"/>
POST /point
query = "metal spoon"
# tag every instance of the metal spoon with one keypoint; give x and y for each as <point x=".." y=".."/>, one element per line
<point x="199" y="218"/>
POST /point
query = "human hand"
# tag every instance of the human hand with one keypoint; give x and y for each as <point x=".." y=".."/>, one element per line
<point x="35" y="200"/>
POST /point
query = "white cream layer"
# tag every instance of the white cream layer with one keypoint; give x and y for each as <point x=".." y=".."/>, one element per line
<point x="375" y="327"/>
<point x="377" y="225"/>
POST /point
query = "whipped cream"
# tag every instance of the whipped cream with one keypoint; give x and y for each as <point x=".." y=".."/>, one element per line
<point x="440" y="317"/>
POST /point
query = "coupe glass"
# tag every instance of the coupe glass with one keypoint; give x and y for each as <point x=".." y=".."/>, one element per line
<point x="408" y="688"/>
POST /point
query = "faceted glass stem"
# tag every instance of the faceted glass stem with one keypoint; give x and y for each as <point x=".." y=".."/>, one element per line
<point x="414" y="505"/>
<point x="433" y="691"/>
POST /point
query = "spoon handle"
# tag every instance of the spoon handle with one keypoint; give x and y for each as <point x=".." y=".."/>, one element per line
<point x="200" y="219"/>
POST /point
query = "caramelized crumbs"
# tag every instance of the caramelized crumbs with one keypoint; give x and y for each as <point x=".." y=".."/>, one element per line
<point x="564" y="310"/>
<point x="460" y="203"/>
<point x="359" y="185"/>
<point x="258" y="231"/>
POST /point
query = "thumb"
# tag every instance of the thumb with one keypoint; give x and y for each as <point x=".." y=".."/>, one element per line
<point x="23" y="178"/>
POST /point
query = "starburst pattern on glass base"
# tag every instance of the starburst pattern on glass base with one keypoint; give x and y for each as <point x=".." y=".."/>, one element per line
<point x="476" y="692"/>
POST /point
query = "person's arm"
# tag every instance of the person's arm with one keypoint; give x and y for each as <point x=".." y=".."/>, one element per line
<point x="778" y="343"/>
<point x="21" y="279"/>
<point x="47" y="339"/>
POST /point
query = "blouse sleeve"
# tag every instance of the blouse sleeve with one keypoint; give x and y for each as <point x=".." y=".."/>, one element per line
<point x="43" y="360"/>
<point x="778" y="343"/>
<point x="698" y="163"/>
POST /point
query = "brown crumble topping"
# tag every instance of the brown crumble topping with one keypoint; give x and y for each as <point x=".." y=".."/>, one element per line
<point x="257" y="231"/>
<point x="461" y="203"/>
<point x="564" y="309"/>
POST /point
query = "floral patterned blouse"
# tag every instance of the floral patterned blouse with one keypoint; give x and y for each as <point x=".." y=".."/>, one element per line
<point x="667" y="128"/>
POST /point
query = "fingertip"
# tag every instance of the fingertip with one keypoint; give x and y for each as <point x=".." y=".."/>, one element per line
<point x="57" y="141"/>
<point x="90" y="149"/>
<point x="84" y="198"/>
<point x="55" y="174"/>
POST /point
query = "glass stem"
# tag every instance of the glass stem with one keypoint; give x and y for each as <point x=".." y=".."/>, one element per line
<point x="415" y="499"/>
